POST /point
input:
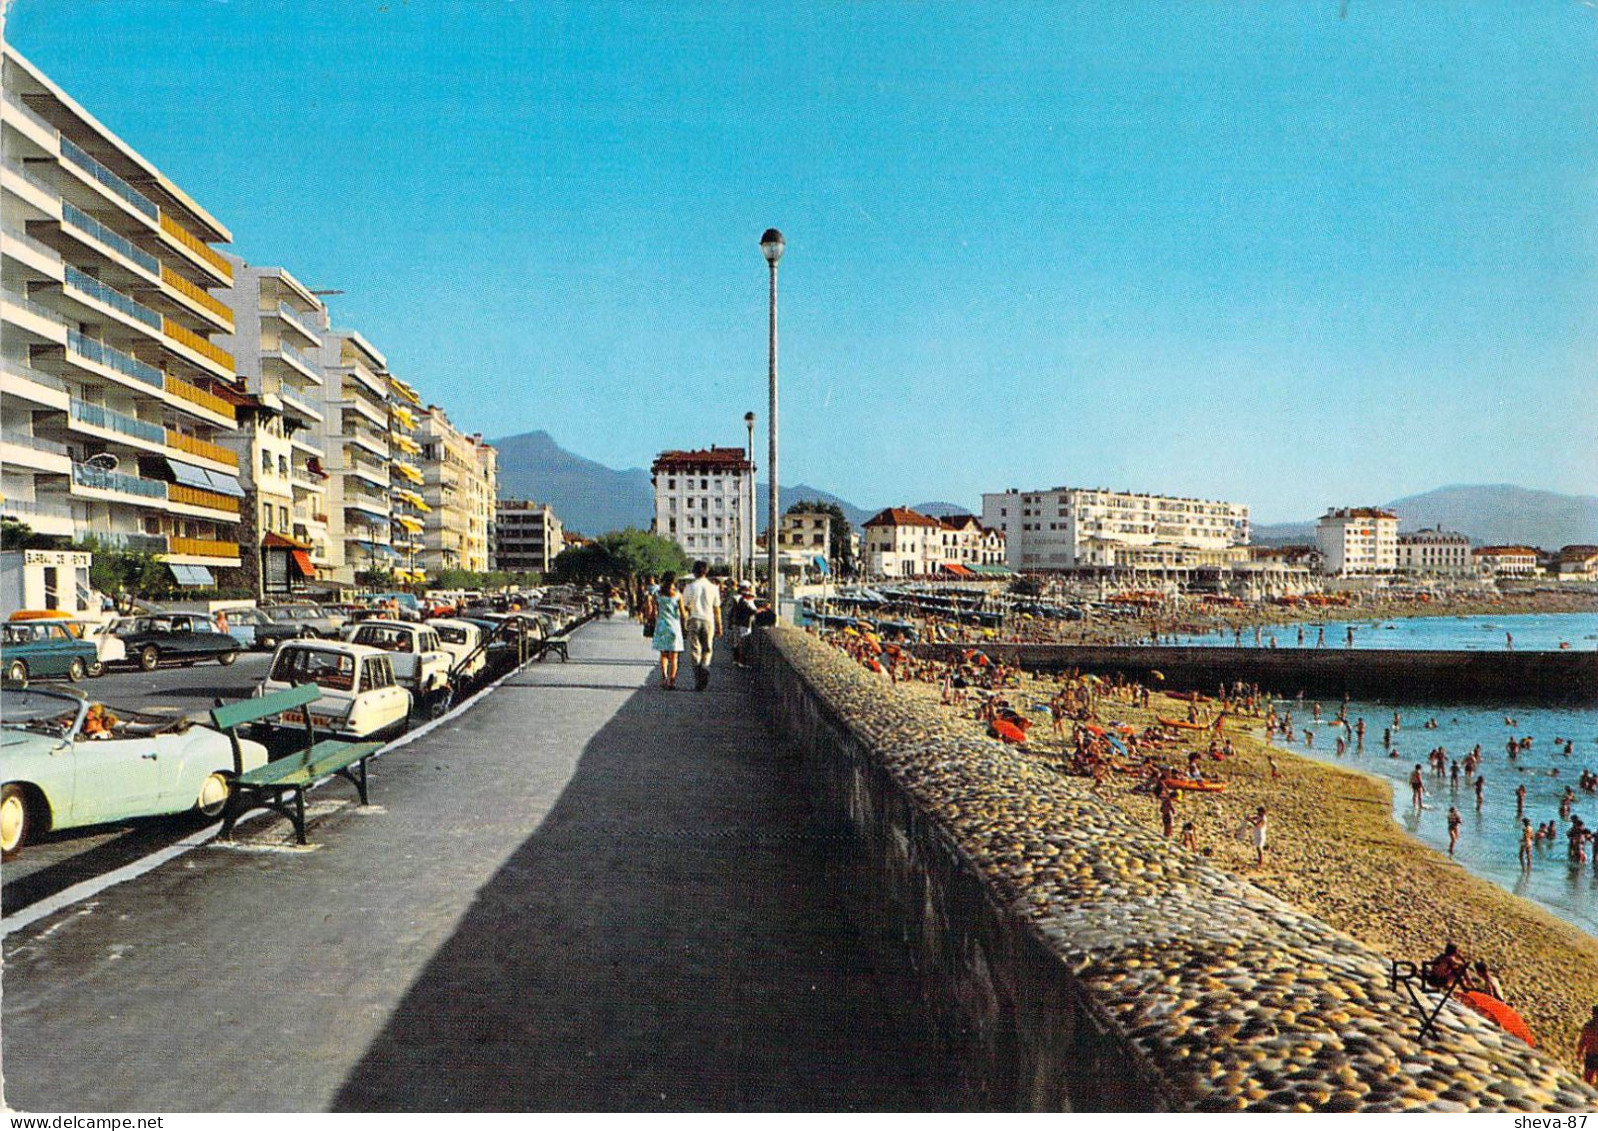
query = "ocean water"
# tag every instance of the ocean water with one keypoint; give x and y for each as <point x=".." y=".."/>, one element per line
<point x="1533" y="632"/>
<point x="1489" y="842"/>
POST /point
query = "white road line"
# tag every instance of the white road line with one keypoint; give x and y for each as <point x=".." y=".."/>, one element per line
<point x="89" y="888"/>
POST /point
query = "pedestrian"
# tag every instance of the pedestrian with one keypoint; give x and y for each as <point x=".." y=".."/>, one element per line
<point x="1417" y="788"/>
<point x="1587" y="1048"/>
<point x="1258" y="823"/>
<point x="668" y="630"/>
<point x="1454" y="821"/>
<point x="742" y="622"/>
<point x="701" y="602"/>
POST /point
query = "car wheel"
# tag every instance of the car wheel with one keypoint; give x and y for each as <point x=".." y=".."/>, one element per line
<point x="76" y="670"/>
<point x="97" y="669"/>
<point x="13" y="821"/>
<point x="214" y="792"/>
<point x="227" y="658"/>
<point x="16" y="672"/>
<point x="149" y="658"/>
<point x="438" y="706"/>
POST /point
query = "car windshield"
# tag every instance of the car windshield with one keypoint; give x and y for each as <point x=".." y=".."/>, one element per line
<point x="41" y="712"/>
<point x="384" y="637"/>
<point x="452" y="635"/>
<point x="333" y="670"/>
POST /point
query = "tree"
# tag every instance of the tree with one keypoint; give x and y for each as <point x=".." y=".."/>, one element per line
<point x="839" y="527"/>
<point x="620" y="554"/>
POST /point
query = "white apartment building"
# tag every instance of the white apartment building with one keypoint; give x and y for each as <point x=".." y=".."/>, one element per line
<point x="408" y="507"/>
<point x="110" y="417"/>
<point x="527" y="536"/>
<point x="1356" y="541"/>
<point x="964" y="542"/>
<point x="1073" y="527"/>
<point x="354" y="438"/>
<point x="460" y="475"/>
<point x="805" y="536"/>
<point x="705" y="502"/>
<point x="900" y="542"/>
<point x="1436" y="552"/>
<point x="1505" y="561"/>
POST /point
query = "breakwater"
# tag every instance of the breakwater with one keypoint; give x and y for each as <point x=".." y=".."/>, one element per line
<point x="1387" y="675"/>
<point x="1079" y="961"/>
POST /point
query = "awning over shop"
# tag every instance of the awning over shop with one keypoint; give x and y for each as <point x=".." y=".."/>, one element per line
<point x="191" y="575"/>
<point x="957" y="569"/>
<point x="302" y="564"/>
<point x="408" y="523"/>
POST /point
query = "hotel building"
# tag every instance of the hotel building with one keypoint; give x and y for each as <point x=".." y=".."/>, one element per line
<point x="705" y="502"/>
<point x="1439" y="552"/>
<point x="1356" y="541"/>
<point x="1073" y="527"/>
<point x="460" y="478"/>
<point x="114" y="399"/>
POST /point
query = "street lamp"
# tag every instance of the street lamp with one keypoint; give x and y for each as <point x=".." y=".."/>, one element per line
<point x="771" y="246"/>
<point x="746" y="506"/>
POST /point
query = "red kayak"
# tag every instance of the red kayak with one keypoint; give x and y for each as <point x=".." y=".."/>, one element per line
<point x="1196" y="786"/>
<point x="1008" y="731"/>
<point x="1499" y="1014"/>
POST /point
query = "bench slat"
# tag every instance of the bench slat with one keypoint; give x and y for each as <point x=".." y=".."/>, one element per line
<point x="326" y="757"/>
<point x="253" y="710"/>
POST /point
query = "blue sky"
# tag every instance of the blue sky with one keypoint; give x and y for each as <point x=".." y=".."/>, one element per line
<point x="1260" y="252"/>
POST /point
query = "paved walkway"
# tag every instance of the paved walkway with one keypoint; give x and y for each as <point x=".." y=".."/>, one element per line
<point x="584" y="893"/>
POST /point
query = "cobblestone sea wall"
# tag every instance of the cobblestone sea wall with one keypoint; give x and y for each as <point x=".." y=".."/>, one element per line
<point x="1081" y="962"/>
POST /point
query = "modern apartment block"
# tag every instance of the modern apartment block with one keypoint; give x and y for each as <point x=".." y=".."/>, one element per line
<point x="460" y="479"/>
<point x="276" y="344"/>
<point x="1073" y="527"/>
<point x="354" y="438"/>
<point x="705" y="502"/>
<point x="1355" y="541"/>
<point x="1434" y="551"/>
<point x="408" y="507"/>
<point x="116" y="399"/>
<point x="527" y="536"/>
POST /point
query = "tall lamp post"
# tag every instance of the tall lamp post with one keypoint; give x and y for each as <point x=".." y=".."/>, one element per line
<point x="746" y="506"/>
<point x="772" y="245"/>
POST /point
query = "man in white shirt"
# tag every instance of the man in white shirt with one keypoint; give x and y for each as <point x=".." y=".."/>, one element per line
<point x="701" y="606"/>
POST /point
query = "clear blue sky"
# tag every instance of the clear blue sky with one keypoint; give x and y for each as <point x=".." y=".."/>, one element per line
<point x="1255" y="252"/>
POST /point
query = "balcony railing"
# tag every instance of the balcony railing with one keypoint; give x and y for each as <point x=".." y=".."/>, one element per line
<point x="196" y="395"/>
<point x="200" y="497"/>
<point x="19" y="233"/>
<point x="27" y="508"/>
<point x="85" y="476"/>
<point x="110" y="180"/>
<point x="33" y="179"/>
<point x="195" y="244"/>
<point x="29" y="373"/>
<point x="203" y="448"/>
<point x="98" y="416"/>
<point x="185" y="336"/>
<point x="76" y="217"/>
<point x="202" y="547"/>
<point x="136" y="543"/>
<point x="201" y="296"/>
<point x="95" y="289"/>
<point x="298" y="319"/>
<point x="17" y="298"/>
<point x="111" y="358"/>
<point x="290" y="352"/>
<point x="30" y="113"/>
<point x="23" y="440"/>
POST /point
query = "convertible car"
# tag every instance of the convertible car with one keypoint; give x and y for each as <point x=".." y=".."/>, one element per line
<point x="68" y="762"/>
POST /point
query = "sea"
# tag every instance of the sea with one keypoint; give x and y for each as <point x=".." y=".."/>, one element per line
<point x="1524" y="632"/>
<point x="1489" y="842"/>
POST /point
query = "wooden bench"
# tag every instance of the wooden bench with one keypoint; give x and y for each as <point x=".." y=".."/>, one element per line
<point x="273" y="785"/>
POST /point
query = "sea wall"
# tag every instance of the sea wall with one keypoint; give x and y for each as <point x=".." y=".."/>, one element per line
<point x="1396" y="676"/>
<point x="1078" y="961"/>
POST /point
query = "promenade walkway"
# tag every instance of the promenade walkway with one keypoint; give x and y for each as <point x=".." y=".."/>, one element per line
<point x="584" y="893"/>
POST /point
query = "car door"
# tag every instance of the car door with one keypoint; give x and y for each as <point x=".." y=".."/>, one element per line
<point x="114" y="778"/>
<point x="393" y="701"/>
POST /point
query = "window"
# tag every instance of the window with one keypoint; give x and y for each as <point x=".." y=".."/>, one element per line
<point x="283" y="518"/>
<point x="283" y="466"/>
<point x="266" y="462"/>
<point x="671" y="484"/>
<point x="333" y="670"/>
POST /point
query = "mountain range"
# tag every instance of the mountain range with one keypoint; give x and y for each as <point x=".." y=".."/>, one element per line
<point x="591" y="498"/>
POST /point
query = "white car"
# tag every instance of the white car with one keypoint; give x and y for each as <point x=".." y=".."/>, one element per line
<point x="420" y="660"/>
<point x="462" y="640"/>
<point x="108" y="646"/>
<point x="360" y="696"/>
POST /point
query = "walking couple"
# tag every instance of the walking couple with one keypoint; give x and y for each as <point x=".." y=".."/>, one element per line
<point x="694" y="615"/>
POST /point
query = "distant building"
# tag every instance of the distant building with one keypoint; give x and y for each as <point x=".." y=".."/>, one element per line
<point x="1434" y="551"/>
<point x="806" y="535"/>
<point x="964" y="541"/>
<point x="1072" y="527"/>
<point x="705" y="502"/>
<point x="1357" y="541"/>
<point x="900" y="542"/>
<point x="527" y="536"/>
<point x="1309" y="557"/>
<point x="1506" y="561"/>
<point x="458" y="487"/>
<point x="1578" y="563"/>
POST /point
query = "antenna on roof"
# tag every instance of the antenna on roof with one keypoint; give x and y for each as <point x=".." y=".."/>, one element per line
<point x="325" y="291"/>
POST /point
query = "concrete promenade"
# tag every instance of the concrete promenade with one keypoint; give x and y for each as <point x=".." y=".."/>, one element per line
<point x="586" y="893"/>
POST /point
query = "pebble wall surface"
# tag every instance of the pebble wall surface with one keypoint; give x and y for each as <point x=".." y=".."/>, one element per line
<point x="1239" y="1000"/>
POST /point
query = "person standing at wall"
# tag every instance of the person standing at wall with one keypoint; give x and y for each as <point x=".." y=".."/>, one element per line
<point x="701" y="601"/>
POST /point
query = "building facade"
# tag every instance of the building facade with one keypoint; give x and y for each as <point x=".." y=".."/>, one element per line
<point x="459" y="475"/>
<point x="900" y="542"/>
<point x="111" y="426"/>
<point x="705" y="502"/>
<point x="1357" y="541"/>
<point x="354" y="438"/>
<point x="527" y="536"/>
<point x="1434" y="552"/>
<point x="1505" y="561"/>
<point x="805" y="536"/>
<point x="1073" y="527"/>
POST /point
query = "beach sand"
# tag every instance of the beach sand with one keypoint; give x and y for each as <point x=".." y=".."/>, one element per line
<point x="1336" y="852"/>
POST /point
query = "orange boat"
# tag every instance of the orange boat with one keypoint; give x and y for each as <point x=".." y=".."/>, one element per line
<point x="1189" y="696"/>
<point x="1499" y="1014"/>
<point x="1009" y="732"/>
<point x="1195" y="786"/>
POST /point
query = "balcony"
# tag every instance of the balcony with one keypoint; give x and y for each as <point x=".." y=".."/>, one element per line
<point x="123" y="191"/>
<point x="112" y="358"/>
<point x="311" y="368"/>
<point x="109" y="296"/>
<point x="197" y="246"/>
<point x="17" y="233"/>
<point x="199" y="497"/>
<point x="42" y="517"/>
<point x="85" y="476"/>
<point x="187" y="338"/>
<point x="196" y="395"/>
<point x="25" y="383"/>
<point x="199" y="296"/>
<point x="15" y="102"/>
<point x="98" y="416"/>
<point x="37" y="453"/>
<point x="74" y="217"/>
<point x="202" y="448"/>
<point x="54" y="323"/>
<point x="134" y="543"/>
<point x="299" y="321"/>
<point x="202" y="548"/>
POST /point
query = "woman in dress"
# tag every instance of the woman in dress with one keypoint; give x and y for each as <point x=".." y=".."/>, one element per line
<point x="1259" y="825"/>
<point x="668" y="630"/>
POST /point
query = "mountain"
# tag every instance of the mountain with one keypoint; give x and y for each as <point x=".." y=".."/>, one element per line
<point x="788" y="496"/>
<point x="1492" y="514"/>
<point x="587" y="496"/>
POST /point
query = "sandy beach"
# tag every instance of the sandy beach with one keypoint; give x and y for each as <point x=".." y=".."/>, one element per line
<point x="1336" y="852"/>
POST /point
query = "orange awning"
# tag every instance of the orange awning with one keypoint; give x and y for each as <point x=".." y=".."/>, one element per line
<point x="302" y="562"/>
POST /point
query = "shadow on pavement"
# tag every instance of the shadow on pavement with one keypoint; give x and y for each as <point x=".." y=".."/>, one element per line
<point x="672" y="937"/>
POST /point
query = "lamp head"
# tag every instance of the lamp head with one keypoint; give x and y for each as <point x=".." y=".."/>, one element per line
<point x="772" y="245"/>
<point x="749" y="419"/>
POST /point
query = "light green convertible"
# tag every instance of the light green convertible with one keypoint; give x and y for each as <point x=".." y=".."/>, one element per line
<point x="65" y="763"/>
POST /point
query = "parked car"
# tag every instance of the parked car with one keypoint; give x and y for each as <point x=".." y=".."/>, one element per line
<point x="67" y="765"/>
<point x="319" y="621"/>
<point x="38" y="649"/>
<point x="463" y="641"/>
<point x="405" y="604"/>
<point x="259" y="628"/>
<point x="420" y="660"/>
<point x="108" y="647"/>
<point x="183" y="637"/>
<point x="360" y="696"/>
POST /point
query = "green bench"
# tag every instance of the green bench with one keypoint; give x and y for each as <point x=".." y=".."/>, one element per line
<point x="542" y="648"/>
<point x="271" y="786"/>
